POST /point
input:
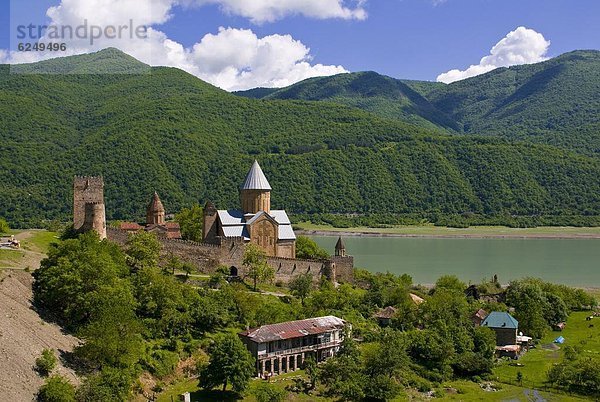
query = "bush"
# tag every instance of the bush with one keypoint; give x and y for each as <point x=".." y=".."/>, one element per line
<point x="161" y="363"/>
<point x="266" y="392"/>
<point x="46" y="362"/>
<point x="4" y="228"/>
<point x="56" y="389"/>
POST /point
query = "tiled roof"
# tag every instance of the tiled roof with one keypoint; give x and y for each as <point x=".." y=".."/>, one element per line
<point x="130" y="226"/>
<point x="256" y="179"/>
<point x="416" y="299"/>
<point x="498" y="319"/>
<point x="234" y="222"/>
<point x="294" y="329"/>
<point x="386" y="313"/>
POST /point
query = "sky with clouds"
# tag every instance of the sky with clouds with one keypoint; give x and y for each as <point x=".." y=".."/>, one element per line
<point x="240" y="44"/>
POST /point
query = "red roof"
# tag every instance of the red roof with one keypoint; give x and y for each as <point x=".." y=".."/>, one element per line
<point x="172" y="225"/>
<point x="294" y="329"/>
<point x="130" y="226"/>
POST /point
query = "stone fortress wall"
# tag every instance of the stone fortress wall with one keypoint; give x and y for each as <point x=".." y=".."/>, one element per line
<point x="89" y="214"/>
<point x="230" y="252"/>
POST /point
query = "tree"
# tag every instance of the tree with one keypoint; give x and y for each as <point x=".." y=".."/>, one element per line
<point x="301" y="286"/>
<point x="56" y="389"/>
<point x="255" y="259"/>
<point x="46" y="362"/>
<point x="143" y="250"/>
<point x="307" y="248"/>
<point x="4" y="228"/>
<point x="520" y="377"/>
<point x="191" y="221"/>
<point x="311" y="369"/>
<point x="230" y="363"/>
<point x="450" y="282"/>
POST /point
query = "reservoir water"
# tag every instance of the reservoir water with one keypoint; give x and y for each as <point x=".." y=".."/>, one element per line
<point x="573" y="262"/>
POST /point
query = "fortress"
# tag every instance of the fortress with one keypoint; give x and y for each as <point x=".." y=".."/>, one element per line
<point x="225" y="234"/>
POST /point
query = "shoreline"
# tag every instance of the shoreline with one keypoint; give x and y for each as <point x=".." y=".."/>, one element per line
<point x="358" y="233"/>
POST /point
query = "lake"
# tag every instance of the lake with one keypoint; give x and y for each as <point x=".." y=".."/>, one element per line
<point x="573" y="262"/>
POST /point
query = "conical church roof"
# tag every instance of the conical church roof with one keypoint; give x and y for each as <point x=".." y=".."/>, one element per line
<point x="256" y="179"/>
<point x="340" y="244"/>
<point x="156" y="205"/>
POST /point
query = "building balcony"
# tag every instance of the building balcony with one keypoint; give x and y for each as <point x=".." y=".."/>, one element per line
<point x="298" y="350"/>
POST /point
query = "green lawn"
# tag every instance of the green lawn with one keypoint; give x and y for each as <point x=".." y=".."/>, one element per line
<point x="34" y="246"/>
<point x="470" y="391"/>
<point x="538" y="361"/>
<point x="40" y="240"/>
<point x="431" y="230"/>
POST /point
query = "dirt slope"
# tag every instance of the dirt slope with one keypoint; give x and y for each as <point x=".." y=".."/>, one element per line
<point x="23" y="336"/>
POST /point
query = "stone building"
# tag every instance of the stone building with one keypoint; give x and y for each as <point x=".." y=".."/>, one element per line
<point x="155" y="221"/>
<point x="89" y="211"/>
<point x="255" y="222"/>
<point x="226" y="233"/>
<point x="281" y="348"/>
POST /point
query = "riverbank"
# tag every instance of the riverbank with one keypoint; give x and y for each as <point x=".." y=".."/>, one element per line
<point x="431" y="231"/>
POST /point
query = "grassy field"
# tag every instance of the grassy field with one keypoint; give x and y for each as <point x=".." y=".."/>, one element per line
<point x="538" y="361"/>
<point x="474" y="231"/>
<point x="34" y="246"/>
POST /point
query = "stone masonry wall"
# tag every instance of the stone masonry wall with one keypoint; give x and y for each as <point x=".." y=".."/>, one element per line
<point x="207" y="258"/>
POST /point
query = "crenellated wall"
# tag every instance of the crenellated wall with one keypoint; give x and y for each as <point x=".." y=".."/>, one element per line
<point x="230" y="252"/>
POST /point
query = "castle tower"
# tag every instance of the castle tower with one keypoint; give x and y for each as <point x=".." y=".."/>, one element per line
<point x="95" y="219"/>
<point x="255" y="193"/>
<point x="89" y="190"/>
<point x="209" y="229"/>
<point x="340" y="248"/>
<point x="155" y="213"/>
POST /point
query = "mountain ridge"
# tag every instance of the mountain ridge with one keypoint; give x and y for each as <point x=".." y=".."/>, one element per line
<point x="561" y="90"/>
<point x="170" y="132"/>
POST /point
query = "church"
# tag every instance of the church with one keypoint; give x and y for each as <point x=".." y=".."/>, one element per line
<point x="255" y="222"/>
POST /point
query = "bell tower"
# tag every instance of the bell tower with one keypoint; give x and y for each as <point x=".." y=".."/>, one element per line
<point x="155" y="213"/>
<point x="340" y="248"/>
<point x="255" y="193"/>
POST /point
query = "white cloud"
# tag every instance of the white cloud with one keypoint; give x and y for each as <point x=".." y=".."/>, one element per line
<point x="521" y="46"/>
<point x="260" y="11"/>
<point x="238" y="59"/>
<point x="233" y="59"/>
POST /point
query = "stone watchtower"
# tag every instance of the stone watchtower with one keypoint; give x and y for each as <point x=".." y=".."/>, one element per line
<point x="343" y="264"/>
<point x="340" y="248"/>
<point x="155" y="213"/>
<point x="89" y="212"/>
<point x="255" y="193"/>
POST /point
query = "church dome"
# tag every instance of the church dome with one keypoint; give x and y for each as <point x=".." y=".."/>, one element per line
<point x="256" y="179"/>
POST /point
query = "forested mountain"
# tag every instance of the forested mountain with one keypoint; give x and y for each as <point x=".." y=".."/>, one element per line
<point x="370" y="91"/>
<point x="171" y="132"/>
<point x="554" y="102"/>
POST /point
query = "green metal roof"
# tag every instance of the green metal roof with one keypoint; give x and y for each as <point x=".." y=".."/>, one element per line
<point x="497" y="319"/>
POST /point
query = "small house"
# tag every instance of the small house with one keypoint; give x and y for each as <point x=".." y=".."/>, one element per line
<point x="504" y="325"/>
<point x="478" y="317"/>
<point x="384" y="316"/>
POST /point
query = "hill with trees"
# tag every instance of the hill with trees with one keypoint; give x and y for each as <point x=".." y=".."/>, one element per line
<point x="554" y="102"/>
<point x="164" y="130"/>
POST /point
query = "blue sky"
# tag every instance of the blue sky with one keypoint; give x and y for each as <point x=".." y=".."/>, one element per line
<point x="413" y="39"/>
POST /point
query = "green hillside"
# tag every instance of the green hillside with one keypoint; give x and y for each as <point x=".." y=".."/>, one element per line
<point x="170" y="132"/>
<point x="555" y="102"/>
<point x="369" y="91"/>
